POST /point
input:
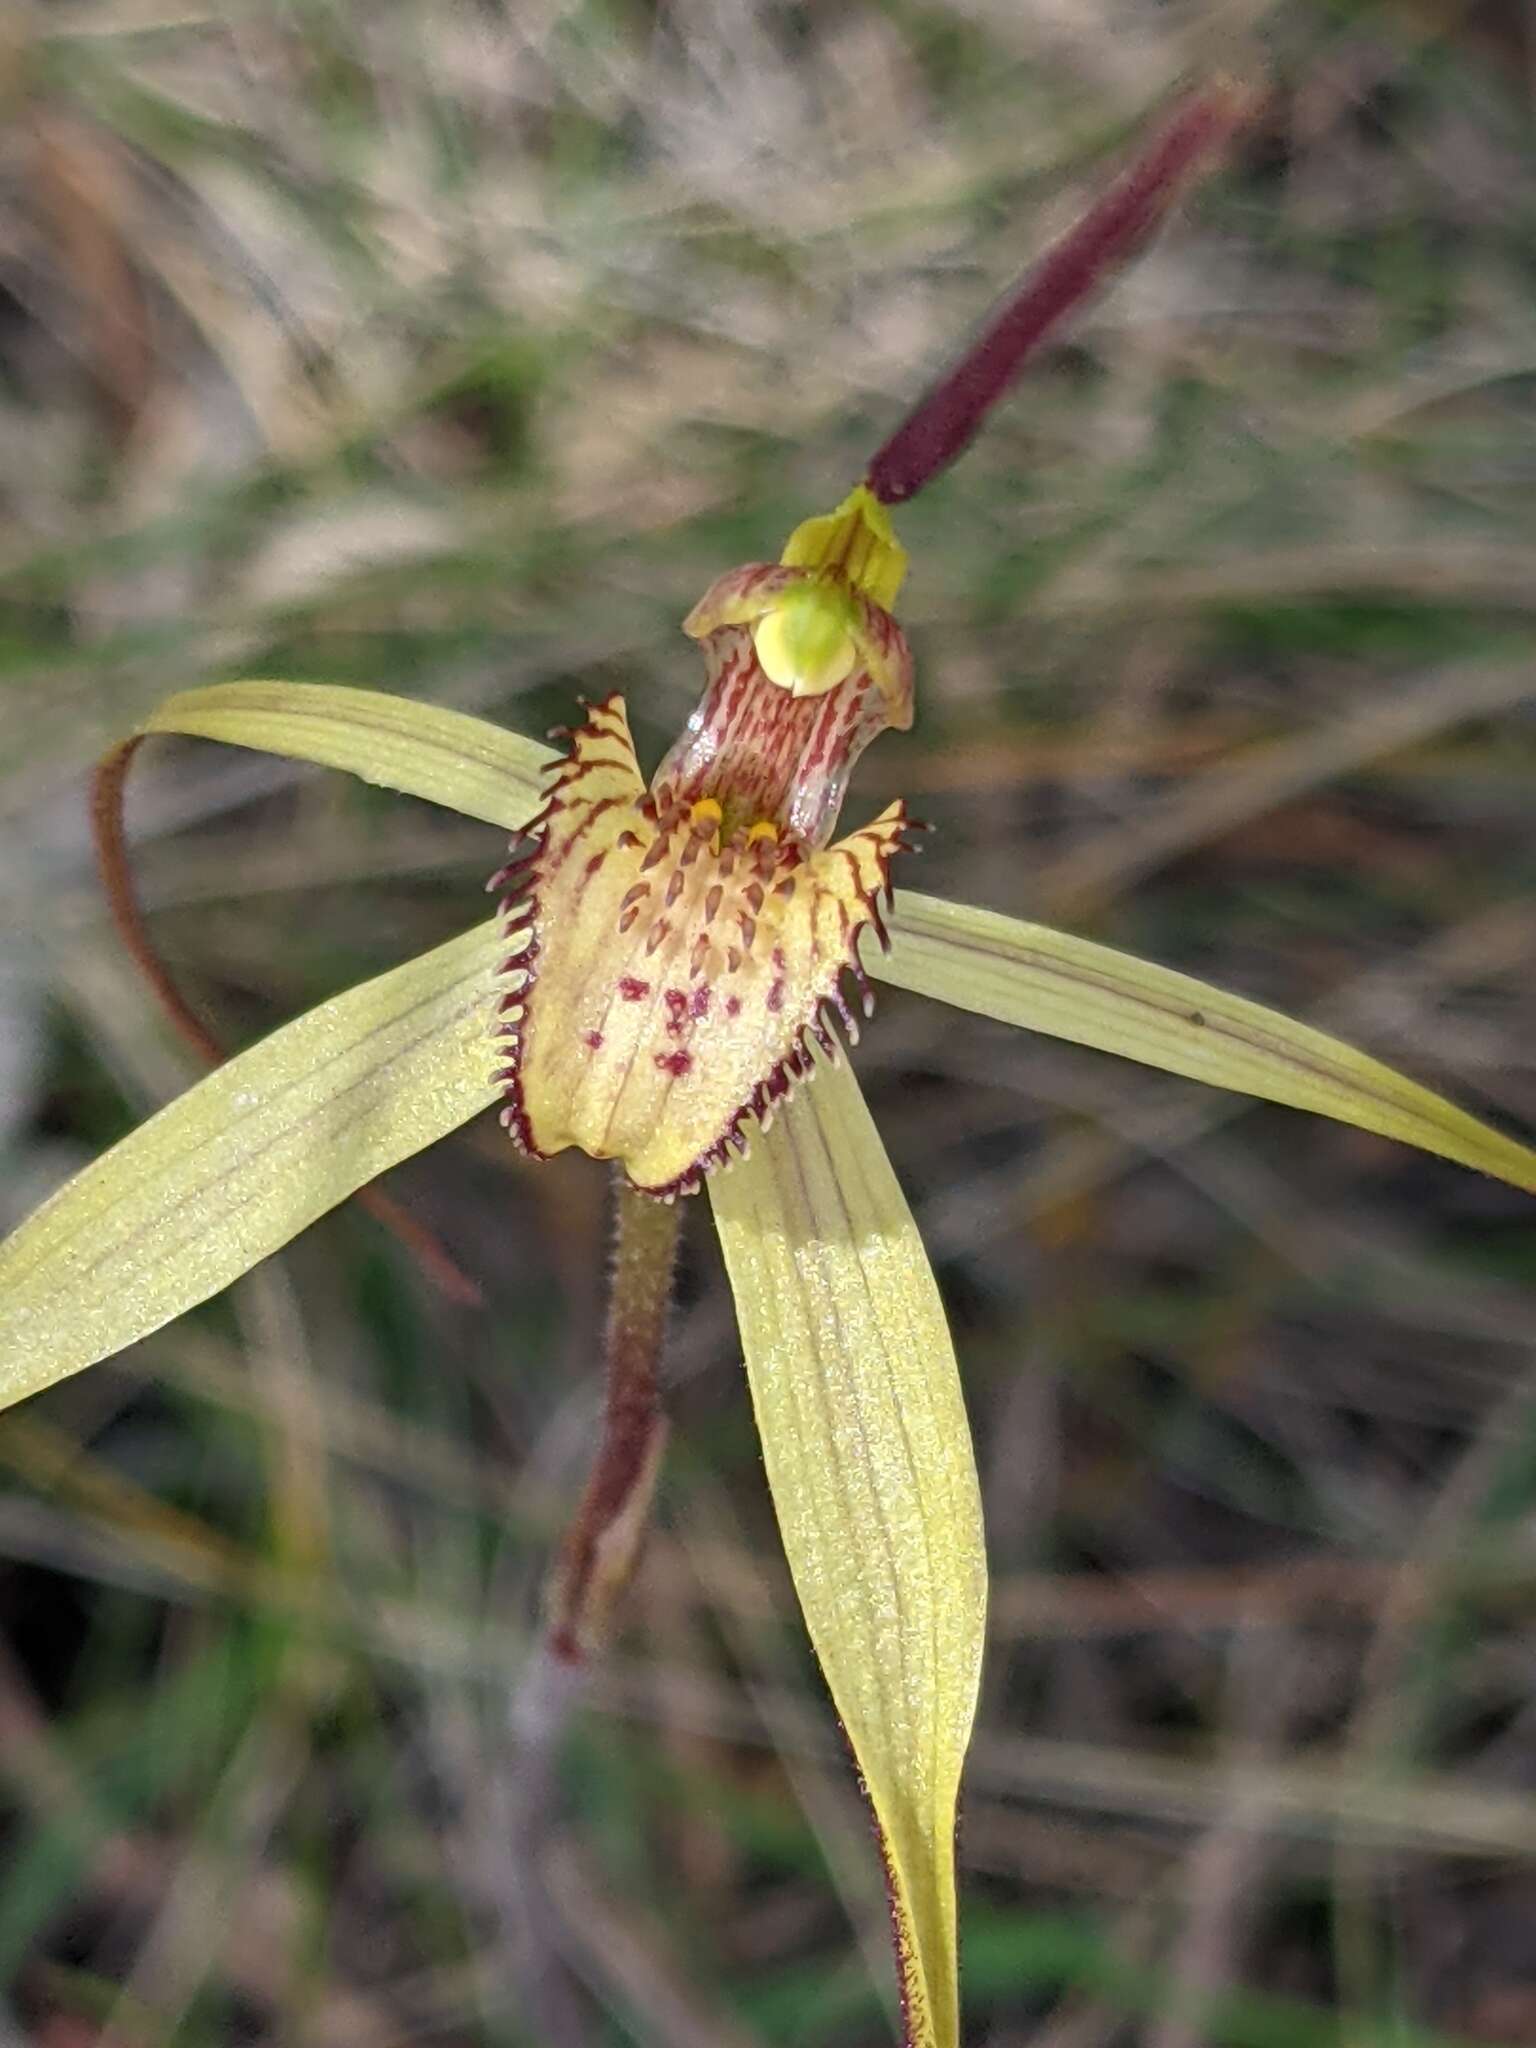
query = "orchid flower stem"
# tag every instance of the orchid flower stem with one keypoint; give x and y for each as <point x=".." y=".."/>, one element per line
<point x="127" y="914"/>
<point x="948" y="417"/>
<point x="596" y="1563"/>
<point x="600" y="1550"/>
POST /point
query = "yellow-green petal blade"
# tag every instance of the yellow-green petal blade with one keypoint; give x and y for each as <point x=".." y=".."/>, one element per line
<point x="1067" y="987"/>
<point x="463" y="763"/>
<point x="241" y="1163"/>
<point x="869" y="1458"/>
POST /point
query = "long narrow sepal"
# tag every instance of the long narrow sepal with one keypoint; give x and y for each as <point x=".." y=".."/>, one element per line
<point x="116" y="873"/>
<point x="948" y="417"/>
<point x="465" y="764"/>
<point x="1067" y="987"/>
<point x="243" y="1162"/>
<point x="868" y="1453"/>
<point x="444" y="756"/>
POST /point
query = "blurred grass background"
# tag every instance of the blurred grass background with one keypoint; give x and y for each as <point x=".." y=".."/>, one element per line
<point x="452" y="349"/>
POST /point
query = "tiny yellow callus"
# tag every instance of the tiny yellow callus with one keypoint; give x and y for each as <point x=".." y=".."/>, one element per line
<point x="707" y="812"/>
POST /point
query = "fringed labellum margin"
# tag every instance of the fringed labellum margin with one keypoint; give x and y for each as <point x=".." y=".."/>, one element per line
<point x="678" y="947"/>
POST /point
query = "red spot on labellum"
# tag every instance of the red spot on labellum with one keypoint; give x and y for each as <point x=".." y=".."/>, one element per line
<point x="674" y="1063"/>
<point x="595" y="1040"/>
<point x="632" y="989"/>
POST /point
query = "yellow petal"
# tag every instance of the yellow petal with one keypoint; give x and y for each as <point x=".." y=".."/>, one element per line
<point x="463" y="763"/>
<point x="1070" y="988"/>
<point x="812" y="636"/>
<point x="869" y="1457"/>
<point x="673" y="980"/>
<point x="241" y="1163"/>
<point x="857" y="542"/>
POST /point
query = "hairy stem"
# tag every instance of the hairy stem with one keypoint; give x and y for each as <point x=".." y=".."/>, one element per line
<point x="595" y="1564"/>
<point x="604" y="1540"/>
<point x="947" y="418"/>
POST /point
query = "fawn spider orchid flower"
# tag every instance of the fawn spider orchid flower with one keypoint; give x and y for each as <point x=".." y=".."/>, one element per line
<point x="677" y="948"/>
<point x="672" y="958"/>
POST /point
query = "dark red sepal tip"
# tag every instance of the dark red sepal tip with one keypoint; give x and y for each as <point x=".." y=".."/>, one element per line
<point x="947" y="418"/>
